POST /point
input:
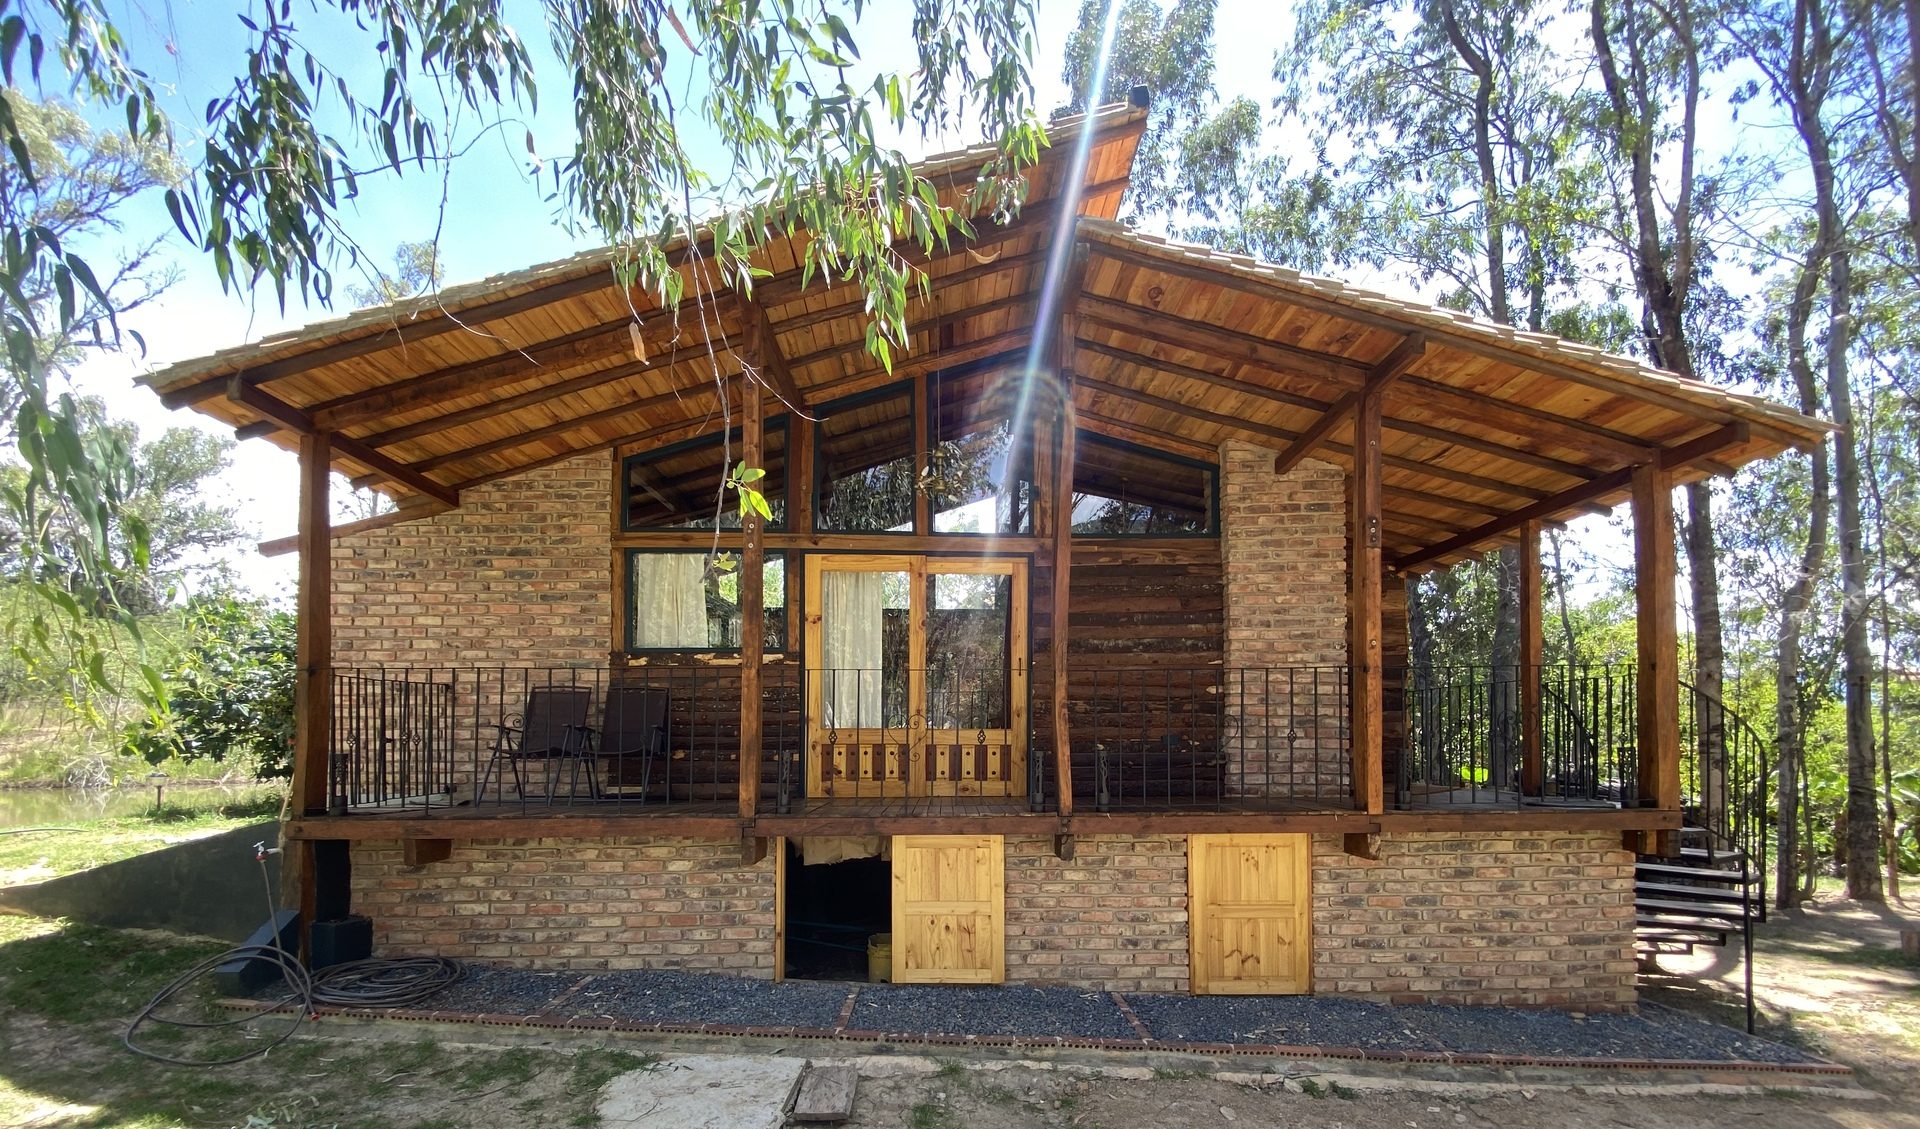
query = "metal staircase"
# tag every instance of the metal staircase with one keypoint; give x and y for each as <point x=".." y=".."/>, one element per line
<point x="1715" y="891"/>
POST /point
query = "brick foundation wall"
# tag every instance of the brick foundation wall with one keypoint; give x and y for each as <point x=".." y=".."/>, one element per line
<point x="1510" y="918"/>
<point x="1114" y="918"/>
<point x="565" y="903"/>
<point x="519" y="575"/>
<point x="1283" y="542"/>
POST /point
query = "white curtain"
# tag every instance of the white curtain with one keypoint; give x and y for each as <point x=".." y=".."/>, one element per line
<point x="852" y="608"/>
<point x="670" y="601"/>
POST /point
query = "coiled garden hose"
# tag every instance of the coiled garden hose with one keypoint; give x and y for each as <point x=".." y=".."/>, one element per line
<point x="394" y="982"/>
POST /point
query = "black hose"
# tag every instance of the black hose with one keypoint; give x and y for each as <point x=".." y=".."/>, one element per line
<point x="395" y="982"/>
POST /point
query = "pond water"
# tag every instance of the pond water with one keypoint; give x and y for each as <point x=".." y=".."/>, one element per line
<point x="63" y="807"/>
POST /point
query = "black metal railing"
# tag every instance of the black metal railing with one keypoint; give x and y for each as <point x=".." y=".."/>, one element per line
<point x="1728" y="795"/>
<point x="1465" y="739"/>
<point x="1211" y="738"/>
<point x="421" y="739"/>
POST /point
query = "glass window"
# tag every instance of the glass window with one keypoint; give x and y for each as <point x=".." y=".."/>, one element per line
<point x="866" y="465"/>
<point x="969" y="634"/>
<point x="979" y="478"/>
<point x="679" y="602"/>
<point x="1120" y="490"/>
<point x="678" y="487"/>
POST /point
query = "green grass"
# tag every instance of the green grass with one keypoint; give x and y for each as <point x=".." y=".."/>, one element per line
<point x="34" y="855"/>
<point x="927" y="1115"/>
<point x="67" y="990"/>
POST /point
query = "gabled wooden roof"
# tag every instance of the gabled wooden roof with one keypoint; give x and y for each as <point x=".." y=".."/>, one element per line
<point x="1175" y="347"/>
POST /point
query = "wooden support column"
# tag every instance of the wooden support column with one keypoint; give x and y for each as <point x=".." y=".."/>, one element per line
<point x="1062" y="507"/>
<point x="1367" y="702"/>
<point x="1532" y="658"/>
<point x="753" y="567"/>
<point x="313" y="665"/>
<point x="1658" y="672"/>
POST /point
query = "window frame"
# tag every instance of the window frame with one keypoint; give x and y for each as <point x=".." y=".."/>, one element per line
<point x="624" y="482"/>
<point x="1083" y="437"/>
<point x="916" y="456"/>
<point x="925" y="459"/>
<point x="785" y="620"/>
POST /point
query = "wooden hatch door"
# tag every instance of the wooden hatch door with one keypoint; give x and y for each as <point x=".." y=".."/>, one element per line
<point x="949" y="909"/>
<point x="1251" y="914"/>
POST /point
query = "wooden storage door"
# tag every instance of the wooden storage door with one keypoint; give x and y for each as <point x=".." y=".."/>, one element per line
<point x="1251" y="914"/>
<point x="949" y="909"/>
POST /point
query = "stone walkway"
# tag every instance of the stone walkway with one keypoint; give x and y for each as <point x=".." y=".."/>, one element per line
<point x="1018" y="1015"/>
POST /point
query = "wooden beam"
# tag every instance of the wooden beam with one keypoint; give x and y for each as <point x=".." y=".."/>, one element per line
<point x="856" y="306"/>
<point x="1657" y="673"/>
<point x="1391" y="368"/>
<point x="280" y="546"/>
<point x="401" y="330"/>
<point x="1703" y="449"/>
<point x="771" y="363"/>
<point x="1545" y="508"/>
<point x="677" y="395"/>
<point x="1521" y="420"/>
<point x="753" y="560"/>
<point x="266" y="404"/>
<point x="1470" y="343"/>
<point x="1367" y="699"/>
<point x="1532" y="662"/>
<point x="1061" y="581"/>
<point x="586" y="382"/>
<point x="1146" y="322"/>
<point x="917" y="326"/>
<point x="313" y="630"/>
<point x="1432" y="470"/>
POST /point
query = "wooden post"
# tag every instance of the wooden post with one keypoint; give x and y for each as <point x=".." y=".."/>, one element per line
<point x="313" y="630"/>
<point x="1062" y="507"/>
<point x="1532" y="657"/>
<point x="1657" y="676"/>
<point x="753" y="567"/>
<point x="1367" y="704"/>
<point x="313" y="663"/>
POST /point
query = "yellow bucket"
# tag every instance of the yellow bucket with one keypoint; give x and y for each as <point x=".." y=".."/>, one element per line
<point x="880" y="958"/>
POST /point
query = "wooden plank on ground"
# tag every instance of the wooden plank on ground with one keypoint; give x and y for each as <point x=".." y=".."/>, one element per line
<point x="826" y="1093"/>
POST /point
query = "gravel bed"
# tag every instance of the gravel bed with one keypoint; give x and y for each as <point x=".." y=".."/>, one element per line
<point x="691" y="998"/>
<point x="1005" y="1010"/>
<point x="1655" y="1033"/>
<point x="501" y="991"/>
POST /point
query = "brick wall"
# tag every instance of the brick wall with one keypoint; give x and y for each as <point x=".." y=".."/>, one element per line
<point x="1114" y="918"/>
<point x="1509" y="918"/>
<point x="568" y="903"/>
<point x="1284" y="544"/>
<point x="520" y="575"/>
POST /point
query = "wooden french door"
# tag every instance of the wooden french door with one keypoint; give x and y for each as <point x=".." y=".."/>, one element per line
<point x="916" y="676"/>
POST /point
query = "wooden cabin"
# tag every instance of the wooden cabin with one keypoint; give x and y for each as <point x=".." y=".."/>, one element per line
<point x="1074" y="650"/>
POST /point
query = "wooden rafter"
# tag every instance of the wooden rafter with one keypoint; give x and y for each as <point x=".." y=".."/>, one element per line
<point x="1390" y="368"/>
<point x="1468" y="343"/>
<point x="919" y="325"/>
<point x="856" y="306"/>
<point x="261" y="401"/>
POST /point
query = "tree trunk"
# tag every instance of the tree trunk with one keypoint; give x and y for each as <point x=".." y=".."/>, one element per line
<point x="1789" y="722"/>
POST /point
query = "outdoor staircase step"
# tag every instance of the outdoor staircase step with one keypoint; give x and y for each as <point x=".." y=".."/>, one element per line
<point x="1702" y="873"/>
<point x="1705" y="895"/>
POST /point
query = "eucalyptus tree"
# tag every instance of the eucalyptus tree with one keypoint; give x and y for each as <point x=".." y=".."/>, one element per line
<point x="1807" y="52"/>
<point x="1444" y="140"/>
<point x="800" y="130"/>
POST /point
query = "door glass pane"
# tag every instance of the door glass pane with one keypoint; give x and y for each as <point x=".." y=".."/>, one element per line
<point x="865" y="639"/>
<point x="969" y="636"/>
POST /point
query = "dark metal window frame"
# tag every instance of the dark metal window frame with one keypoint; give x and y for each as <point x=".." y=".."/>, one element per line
<point x="780" y="422"/>
<point x="787" y="589"/>
<point x="917" y="457"/>
<point x="1083" y="437"/>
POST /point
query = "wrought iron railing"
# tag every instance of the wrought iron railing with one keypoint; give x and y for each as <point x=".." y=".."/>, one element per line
<point x="1211" y="738"/>
<point x="422" y="739"/>
<point x="1465" y="739"/>
<point x="1728" y="795"/>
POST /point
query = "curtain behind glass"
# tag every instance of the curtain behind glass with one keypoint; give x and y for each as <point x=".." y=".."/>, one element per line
<point x="670" y="601"/>
<point x="852" y="608"/>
